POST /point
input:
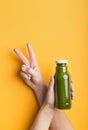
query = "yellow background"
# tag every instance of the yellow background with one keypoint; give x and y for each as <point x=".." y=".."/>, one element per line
<point x="57" y="30"/>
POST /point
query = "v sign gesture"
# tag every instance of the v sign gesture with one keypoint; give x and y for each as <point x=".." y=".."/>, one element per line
<point x="31" y="74"/>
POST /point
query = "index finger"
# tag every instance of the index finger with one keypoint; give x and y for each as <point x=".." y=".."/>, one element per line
<point x="31" y="53"/>
<point x="21" y="56"/>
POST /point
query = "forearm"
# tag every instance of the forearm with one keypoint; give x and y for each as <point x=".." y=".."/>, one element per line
<point x="60" y="121"/>
<point x="43" y="119"/>
<point x="41" y="93"/>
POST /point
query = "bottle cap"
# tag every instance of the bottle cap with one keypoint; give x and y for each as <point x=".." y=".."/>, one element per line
<point x="61" y="61"/>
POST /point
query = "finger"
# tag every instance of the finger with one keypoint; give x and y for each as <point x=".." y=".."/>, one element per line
<point x="72" y="89"/>
<point x="25" y="76"/>
<point x="28" y="70"/>
<point x="31" y="72"/>
<point x="28" y="82"/>
<point x="25" y="68"/>
<point x="51" y="84"/>
<point x="31" y="53"/>
<point x="21" y="56"/>
<point x="72" y="96"/>
<point x="50" y="94"/>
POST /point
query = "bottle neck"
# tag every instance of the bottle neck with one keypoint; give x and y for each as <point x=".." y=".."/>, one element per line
<point x="61" y="67"/>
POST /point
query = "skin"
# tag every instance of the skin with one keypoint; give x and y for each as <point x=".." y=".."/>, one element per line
<point x="32" y="76"/>
<point x="45" y="114"/>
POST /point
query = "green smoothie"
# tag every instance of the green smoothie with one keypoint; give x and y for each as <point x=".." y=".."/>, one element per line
<point x="62" y="86"/>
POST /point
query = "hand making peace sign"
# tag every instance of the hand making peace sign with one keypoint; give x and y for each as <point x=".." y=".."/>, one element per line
<point x="31" y="74"/>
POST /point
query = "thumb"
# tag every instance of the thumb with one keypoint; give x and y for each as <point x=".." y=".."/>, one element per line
<point x="50" y="94"/>
<point x="51" y="85"/>
<point x="31" y="71"/>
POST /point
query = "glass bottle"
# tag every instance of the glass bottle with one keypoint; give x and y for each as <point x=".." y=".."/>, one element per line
<point x="62" y="86"/>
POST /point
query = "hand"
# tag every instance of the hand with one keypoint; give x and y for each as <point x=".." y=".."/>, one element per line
<point x="31" y="74"/>
<point x="49" y="99"/>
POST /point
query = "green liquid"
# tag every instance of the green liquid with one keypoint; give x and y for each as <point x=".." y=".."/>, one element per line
<point x="62" y="87"/>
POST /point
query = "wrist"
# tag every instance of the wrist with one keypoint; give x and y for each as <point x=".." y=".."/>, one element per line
<point x="40" y="95"/>
<point x="40" y="92"/>
<point x="42" y="84"/>
<point x="47" y="110"/>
